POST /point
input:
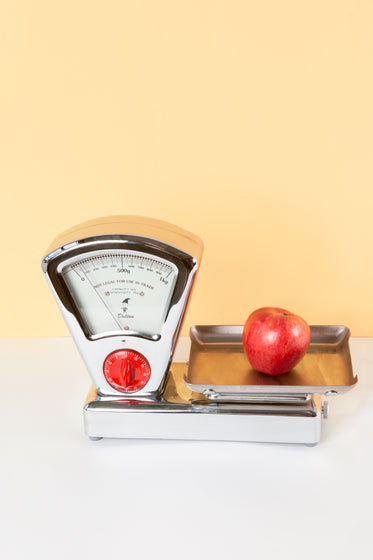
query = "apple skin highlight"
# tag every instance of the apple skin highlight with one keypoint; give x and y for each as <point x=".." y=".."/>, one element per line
<point x="275" y="340"/>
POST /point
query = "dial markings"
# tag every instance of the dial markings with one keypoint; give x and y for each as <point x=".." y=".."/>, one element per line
<point x="125" y="290"/>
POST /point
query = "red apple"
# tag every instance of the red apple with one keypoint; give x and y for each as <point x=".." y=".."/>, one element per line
<point x="275" y="339"/>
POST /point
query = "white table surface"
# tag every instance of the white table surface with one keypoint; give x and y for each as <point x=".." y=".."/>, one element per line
<point x="64" y="496"/>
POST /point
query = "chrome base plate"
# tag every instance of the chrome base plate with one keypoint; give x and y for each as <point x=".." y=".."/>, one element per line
<point x="179" y="413"/>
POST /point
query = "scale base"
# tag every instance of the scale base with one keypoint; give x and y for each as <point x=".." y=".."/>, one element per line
<point x="179" y="413"/>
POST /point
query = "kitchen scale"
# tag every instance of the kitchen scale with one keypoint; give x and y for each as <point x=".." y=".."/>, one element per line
<point x="123" y="284"/>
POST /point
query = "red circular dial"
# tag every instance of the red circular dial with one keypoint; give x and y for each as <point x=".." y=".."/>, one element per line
<point x="126" y="370"/>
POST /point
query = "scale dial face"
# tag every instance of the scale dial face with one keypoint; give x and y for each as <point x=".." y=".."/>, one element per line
<point x="121" y="290"/>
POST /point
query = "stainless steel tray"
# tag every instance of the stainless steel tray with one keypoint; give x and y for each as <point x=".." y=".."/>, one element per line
<point x="218" y="363"/>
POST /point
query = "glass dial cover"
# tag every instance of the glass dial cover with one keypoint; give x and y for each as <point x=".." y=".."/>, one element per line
<point x="121" y="290"/>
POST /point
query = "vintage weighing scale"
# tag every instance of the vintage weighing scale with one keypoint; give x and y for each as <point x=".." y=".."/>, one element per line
<point x="123" y="284"/>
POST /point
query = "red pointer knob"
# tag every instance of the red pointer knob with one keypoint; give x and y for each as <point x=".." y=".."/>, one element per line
<point x="126" y="370"/>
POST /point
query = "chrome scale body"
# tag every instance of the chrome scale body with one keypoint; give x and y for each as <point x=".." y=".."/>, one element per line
<point x="165" y="408"/>
<point x="94" y="349"/>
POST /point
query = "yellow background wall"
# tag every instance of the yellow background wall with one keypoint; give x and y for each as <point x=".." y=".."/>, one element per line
<point x="248" y="123"/>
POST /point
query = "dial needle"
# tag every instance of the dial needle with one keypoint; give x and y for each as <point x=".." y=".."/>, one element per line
<point x="101" y="298"/>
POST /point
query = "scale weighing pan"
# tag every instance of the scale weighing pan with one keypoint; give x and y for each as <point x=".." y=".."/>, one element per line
<point x="218" y="365"/>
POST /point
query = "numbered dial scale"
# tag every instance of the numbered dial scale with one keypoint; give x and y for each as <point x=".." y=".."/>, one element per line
<point x="122" y="284"/>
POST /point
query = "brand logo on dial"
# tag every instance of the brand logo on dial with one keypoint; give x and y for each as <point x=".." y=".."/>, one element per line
<point x="125" y="304"/>
<point x="124" y="314"/>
